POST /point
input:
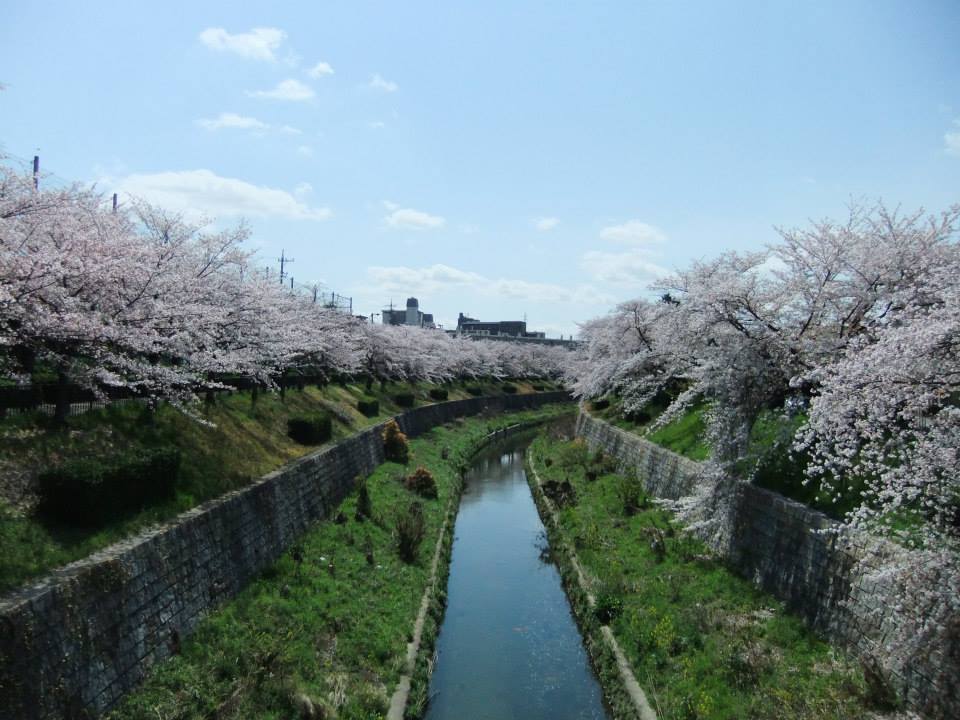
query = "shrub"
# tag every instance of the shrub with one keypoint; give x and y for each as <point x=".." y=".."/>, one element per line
<point x="395" y="447"/>
<point x="631" y="495"/>
<point x="574" y="455"/>
<point x="640" y="417"/>
<point x="93" y="491"/>
<point x="509" y="388"/>
<point x="605" y="464"/>
<point x="410" y="529"/>
<point x="368" y="406"/>
<point x="601" y="404"/>
<point x="438" y="393"/>
<point x="311" y="430"/>
<point x="539" y="387"/>
<point x="404" y="399"/>
<point x="364" y="504"/>
<point x="561" y="493"/>
<point x="422" y="483"/>
<point x="609" y="606"/>
<point x="475" y="390"/>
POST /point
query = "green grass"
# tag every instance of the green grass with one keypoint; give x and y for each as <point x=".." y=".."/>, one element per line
<point x="336" y="636"/>
<point x="685" y="434"/>
<point x="771" y="463"/>
<point x="242" y="441"/>
<point x="703" y="642"/>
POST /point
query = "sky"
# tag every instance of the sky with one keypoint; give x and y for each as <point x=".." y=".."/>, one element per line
<point x="502" y="159"/>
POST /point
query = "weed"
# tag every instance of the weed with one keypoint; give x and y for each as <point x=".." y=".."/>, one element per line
<point x="422" y="483"/>
<point x="409" y="529"/>
<point x="364" y="503"/>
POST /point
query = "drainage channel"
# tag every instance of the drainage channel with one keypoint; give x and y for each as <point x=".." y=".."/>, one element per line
<point x="509" y="646"/>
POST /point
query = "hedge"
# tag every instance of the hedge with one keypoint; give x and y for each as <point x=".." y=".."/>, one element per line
<point x="370" y="407"/>
<point x="405" y="399"/>
<point x="93" y="491"/>
<point x="310" y="430"/>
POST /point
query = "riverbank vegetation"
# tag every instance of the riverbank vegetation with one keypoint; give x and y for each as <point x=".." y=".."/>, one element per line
<point x="703" y="643"/>
<point x="324" y="632"/>
<point x="243" y="436"/>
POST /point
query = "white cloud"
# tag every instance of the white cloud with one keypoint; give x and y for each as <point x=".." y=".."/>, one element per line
<point x="290" y="130"/>
<point x="289" y="89"/>
<point x="410" y="219"/>
<point x="258" y="44"/>
<point x="438" y="278"/>
<point x="376" y="125"/>
<point x="305" y="150"/>
<point x="202" y="192"/>
<point x="378" y="83"/>
<point x="952" y="140"/>
<point x="302" y="189"/>
<point x="232" y="120"/>
<point x="633" y="232"/>
<point x="632" y="267"/>
<point x="546" y="224"/>
<point x="320" y="70"/>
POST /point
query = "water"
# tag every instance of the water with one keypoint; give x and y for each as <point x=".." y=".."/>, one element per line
<point x="509" y="646"/>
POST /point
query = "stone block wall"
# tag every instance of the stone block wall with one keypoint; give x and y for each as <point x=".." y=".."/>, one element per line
<point x="73" y="643"/>
<point x="865" y="593"/>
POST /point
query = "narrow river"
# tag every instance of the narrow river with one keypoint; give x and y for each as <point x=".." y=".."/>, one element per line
<point x="509" y="646"/>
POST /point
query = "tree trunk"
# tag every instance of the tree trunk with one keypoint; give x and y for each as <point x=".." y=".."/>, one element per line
<point x="62" y="406"/>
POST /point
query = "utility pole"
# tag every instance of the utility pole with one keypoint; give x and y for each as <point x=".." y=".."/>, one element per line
<point x="114" y="203"/>
<point x="36" y="172"/>
<point x="284" y="261"/>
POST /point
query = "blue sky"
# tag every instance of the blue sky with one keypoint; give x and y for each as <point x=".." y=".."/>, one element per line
<point x="495" y="158"/>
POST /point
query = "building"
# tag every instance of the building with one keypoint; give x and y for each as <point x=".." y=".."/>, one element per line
<point x="411" y="315"/>
<point x="501" y="328"/>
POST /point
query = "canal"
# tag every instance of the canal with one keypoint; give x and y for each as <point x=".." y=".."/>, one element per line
<point x="509" y="646"/>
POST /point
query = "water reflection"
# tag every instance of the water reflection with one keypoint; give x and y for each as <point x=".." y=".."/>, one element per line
<point x="509" y="647"/>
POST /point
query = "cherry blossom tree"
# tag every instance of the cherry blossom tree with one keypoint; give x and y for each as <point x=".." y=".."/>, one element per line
<point x="143" y="299"/>
<point x="855" y="320"/>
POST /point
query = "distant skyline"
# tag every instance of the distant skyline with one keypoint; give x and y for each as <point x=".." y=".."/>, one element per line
<point x="496" y="159"/>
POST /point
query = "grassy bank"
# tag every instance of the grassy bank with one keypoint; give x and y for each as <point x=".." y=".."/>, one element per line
<point x="327" y="627"/>
<point x="684" y="435"/>
<point x="242" y="439"/>
<point x="703" y="643"/>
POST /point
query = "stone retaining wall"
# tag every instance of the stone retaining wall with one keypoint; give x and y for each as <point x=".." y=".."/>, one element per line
<point x="860" y="591"/>
<point x="72" y="644"/>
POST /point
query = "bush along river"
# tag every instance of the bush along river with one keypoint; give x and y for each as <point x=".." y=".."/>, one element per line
<point x="509" y="646"/>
